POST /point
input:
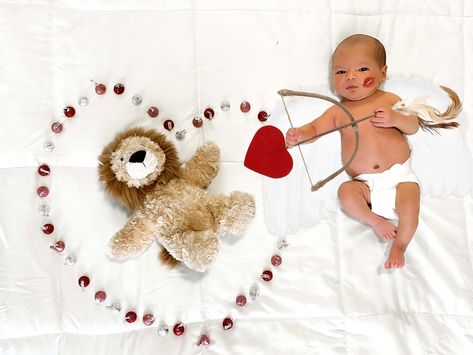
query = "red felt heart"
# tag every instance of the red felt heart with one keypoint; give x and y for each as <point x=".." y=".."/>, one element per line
<point x="267" y="153"/>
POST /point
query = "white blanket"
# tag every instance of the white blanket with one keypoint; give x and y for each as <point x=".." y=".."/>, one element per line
<point x="329" y="295"/>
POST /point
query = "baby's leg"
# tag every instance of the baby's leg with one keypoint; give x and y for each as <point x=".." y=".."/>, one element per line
<point x="355" y="199"/>
<point x="407" y="208"/>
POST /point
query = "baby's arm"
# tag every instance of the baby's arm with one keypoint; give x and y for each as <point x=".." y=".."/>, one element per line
<point x="304" y="133"/>
<point x="386" y="117"/>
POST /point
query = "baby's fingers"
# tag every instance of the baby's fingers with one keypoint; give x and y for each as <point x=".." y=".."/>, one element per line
<point x="290" y="140"/>
<point x="376" y="119"/>
<point x="379" y="112"/>
<point x="290" y="143"/>
<point x="378" y="122"/>
<point x="291" y="132"/>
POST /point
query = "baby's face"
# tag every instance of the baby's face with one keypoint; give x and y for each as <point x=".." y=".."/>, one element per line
<point x="355" y="73"/>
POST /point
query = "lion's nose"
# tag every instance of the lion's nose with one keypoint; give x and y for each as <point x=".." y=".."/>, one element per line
<point x="138" y="157"/>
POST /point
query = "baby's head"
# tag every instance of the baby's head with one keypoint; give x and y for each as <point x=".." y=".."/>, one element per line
<point x="358" y="67"/>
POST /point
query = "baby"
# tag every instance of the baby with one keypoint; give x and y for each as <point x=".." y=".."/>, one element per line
<point x="382" y="186"/>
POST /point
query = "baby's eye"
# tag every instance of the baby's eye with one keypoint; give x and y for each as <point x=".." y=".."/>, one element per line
<point x="364" y="69"/>
<point x="340" y="72"/>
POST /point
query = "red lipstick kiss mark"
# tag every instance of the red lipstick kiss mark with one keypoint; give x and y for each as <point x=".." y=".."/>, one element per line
<point x="368" y="82"/>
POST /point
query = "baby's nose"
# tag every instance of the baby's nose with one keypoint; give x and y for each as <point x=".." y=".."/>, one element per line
<point x="351" y="75"/>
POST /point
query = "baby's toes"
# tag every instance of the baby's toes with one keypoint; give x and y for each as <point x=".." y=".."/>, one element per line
<point x="389" y="235"/>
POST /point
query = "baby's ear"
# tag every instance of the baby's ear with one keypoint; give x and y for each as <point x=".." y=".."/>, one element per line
<point x="384" y="71"/>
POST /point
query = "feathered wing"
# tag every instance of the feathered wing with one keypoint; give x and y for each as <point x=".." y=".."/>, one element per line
<point x="440" y="157"/>
<point x="430" y="118"/>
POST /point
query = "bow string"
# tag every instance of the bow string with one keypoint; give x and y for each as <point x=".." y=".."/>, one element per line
<point x="353" y="123"/>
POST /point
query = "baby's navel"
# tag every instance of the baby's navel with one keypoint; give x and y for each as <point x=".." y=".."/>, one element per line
<point x="376" y="166"/>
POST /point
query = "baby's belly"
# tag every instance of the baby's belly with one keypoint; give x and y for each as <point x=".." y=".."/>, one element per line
<point x="375" y="157"/>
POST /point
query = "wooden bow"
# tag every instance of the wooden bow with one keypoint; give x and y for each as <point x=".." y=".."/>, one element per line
<point x="353" y="123"/>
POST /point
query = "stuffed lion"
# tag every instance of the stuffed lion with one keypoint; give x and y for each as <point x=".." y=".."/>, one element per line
<point x="169" y="202"/>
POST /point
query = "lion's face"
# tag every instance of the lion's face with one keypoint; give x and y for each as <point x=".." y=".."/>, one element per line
<point x="137" y="161"/>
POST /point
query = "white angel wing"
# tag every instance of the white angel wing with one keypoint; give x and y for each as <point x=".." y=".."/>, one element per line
<point x="442" y="162"/>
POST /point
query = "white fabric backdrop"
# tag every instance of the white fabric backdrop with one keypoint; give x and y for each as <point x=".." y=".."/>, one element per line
<point x="329" y="296"/>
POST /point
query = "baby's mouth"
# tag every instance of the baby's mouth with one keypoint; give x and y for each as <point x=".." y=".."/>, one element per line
<point x="351" y="87"/>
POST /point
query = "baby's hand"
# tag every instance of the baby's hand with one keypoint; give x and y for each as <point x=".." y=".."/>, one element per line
<point x="292" y="137"/>
<point x="385" y="117"/>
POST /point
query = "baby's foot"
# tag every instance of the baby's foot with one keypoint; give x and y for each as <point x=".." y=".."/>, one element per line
<point x="384" y="229"/>
<point x="395" y="258"/>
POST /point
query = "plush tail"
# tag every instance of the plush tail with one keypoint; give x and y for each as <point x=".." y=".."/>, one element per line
<point x="167" y="259"/>
<point x="440" y="119"/>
